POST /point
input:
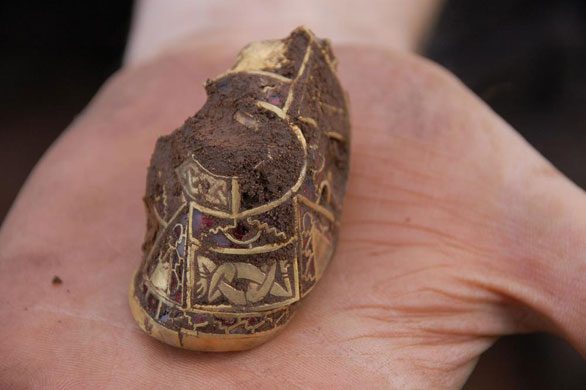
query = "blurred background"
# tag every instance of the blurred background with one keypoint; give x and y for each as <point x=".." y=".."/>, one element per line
<point x="525" y="58"/>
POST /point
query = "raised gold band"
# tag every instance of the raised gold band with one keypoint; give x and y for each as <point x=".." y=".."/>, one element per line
<point x="196" y="341"/>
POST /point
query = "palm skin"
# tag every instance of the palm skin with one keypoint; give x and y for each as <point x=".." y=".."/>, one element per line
<point x="430" y="269"/>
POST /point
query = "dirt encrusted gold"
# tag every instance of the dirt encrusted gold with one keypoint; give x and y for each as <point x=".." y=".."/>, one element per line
<point x="244" y="200"/>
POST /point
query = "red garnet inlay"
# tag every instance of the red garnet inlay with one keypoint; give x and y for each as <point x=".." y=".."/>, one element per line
<point x="173" y="282"/>
<point x="228" y="321"/>
<point x="275" y="100"/>
<point x="152" y="303"/>
<point x="253" y="320"/>
<point x="198" y="319"/>
<point x="206" y="221"/>
<point x="200" y="222"/>
<point x="240" y="231"/>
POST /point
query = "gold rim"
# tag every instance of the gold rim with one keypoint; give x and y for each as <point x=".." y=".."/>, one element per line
<point x="195" y="341"/>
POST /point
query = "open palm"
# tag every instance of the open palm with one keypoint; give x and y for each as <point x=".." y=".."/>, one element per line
<point x="433" y="262"/>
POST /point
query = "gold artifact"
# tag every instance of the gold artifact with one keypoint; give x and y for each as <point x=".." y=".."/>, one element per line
<point x="244" y="200"/>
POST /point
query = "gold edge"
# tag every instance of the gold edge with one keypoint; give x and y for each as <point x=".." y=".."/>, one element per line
<point x="189" y="252"/>
<point x="207" y="170"/>
<point x="308" y="120"/>
<point x="235" y="195"/>
<point x="290" y="95"/>
<point x="320" y="209"/>
<point x="262" y="309"/>
<point x="318" y="277"/>
<point x="299" y="243"/>
<point x="194" y="340"/>
<point x="271" y="107"/>
<point x="274" y="75"/>
<point x="313" y="39"/>
<point x="160" y="234"/>
<point x="254" y="250"/>
<point x="239" y="242"/>
<point x="335" y="135"/>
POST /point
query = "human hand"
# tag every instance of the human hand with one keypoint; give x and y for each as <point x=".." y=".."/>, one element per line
<point x="454" y="233"/>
